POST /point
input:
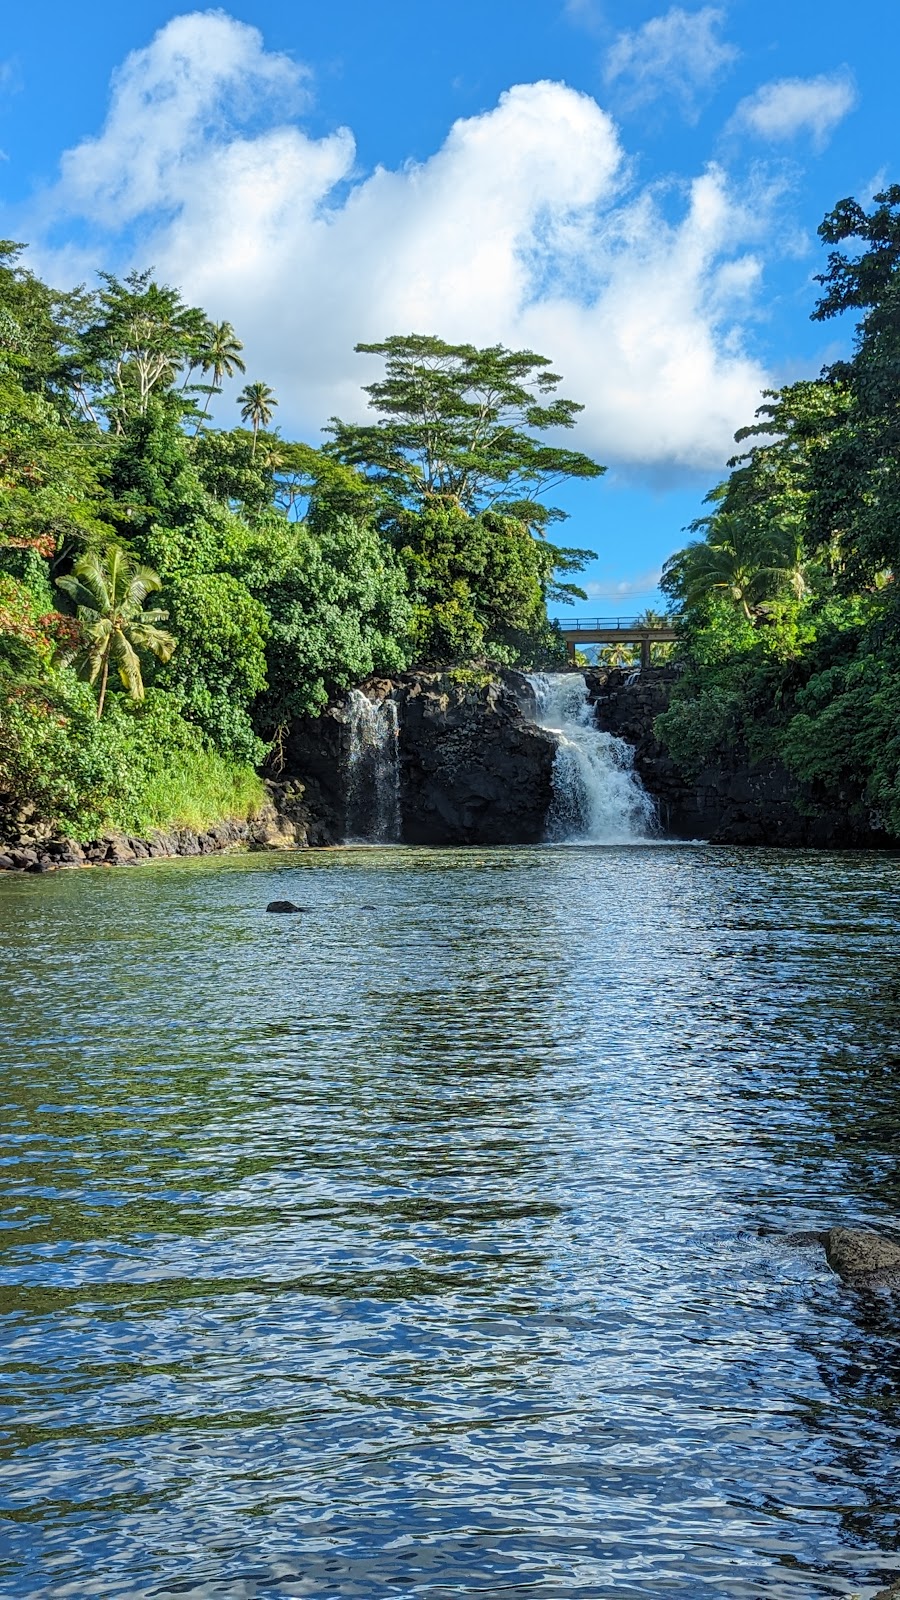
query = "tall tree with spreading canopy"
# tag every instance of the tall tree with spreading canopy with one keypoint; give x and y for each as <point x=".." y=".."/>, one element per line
<point x="460" y="466"/>
<point x="464" y="424"/>
<point x="142" y="334"/>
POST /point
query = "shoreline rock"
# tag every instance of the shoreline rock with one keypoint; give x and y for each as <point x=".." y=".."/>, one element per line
<point x="280" y="825"/>
<point x="860" y="1257"/>
<point x="863" y="1258"/>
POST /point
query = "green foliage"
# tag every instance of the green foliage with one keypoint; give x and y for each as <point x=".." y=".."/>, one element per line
<point x="133" y="771"/>
<point x="220" y="665"/>
<point x="477" y="584"/>
<point x="700" y="722"/>
<point x="285" y="573"/>
<point x="787" y="606"/>
<point x="460" y="428"/>
<point x="462" y="423"/>
<point x="339" y="613"/>
<point x="110" y="593"/>
<point x="141" y="336"/>
<point x="175" y="777"/>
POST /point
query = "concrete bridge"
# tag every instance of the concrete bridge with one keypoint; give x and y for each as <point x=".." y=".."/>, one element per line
<point x="612" y="630"/>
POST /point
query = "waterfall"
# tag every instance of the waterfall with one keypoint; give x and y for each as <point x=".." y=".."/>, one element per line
<point x="598" y="797"/>
<point x="373" y="771"/>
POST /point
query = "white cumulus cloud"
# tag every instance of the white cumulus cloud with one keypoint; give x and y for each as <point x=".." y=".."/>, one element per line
<point x="680" y="53"/>
<point x="792" y="106"/>
<point x="521" y="229"/>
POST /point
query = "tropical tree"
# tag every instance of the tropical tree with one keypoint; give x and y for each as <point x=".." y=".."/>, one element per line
<point x="110" y="591"/>
<point x="618" y="654"/>
<point x="739" y="560"/>
<point x="257" y="403"/>
<point x="649" y="618"/>
<point x="221" y="358"/>
<point x="464" y="424"/>
<point x="141" y="336"/>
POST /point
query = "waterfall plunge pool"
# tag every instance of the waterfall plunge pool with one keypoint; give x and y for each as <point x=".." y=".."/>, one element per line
<point x="410" y="1246"/>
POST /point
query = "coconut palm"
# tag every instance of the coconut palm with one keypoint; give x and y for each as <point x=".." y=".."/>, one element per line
<point x="257" y="403"/>
<point x="110" y="591"/>
<point x="221" y="357"/>
<point x="618" y="654"/>
<point x="656" y="619"/>
<point x="737" y="559"/>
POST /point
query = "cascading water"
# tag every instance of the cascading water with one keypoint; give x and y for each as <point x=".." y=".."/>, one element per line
<point x="373" y="776"/>
<point x="598" y="797"/>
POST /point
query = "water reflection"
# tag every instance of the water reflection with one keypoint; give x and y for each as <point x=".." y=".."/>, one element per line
<point x="411" y="1246"/>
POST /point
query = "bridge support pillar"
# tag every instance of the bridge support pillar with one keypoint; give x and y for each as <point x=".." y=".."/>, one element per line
<point x="570" y="651"/>
<point x="645" y="655"/>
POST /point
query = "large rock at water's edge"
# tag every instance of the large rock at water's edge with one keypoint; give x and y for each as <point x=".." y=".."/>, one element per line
<point x="473" y="768"/>
<point x="862" y="1257"/>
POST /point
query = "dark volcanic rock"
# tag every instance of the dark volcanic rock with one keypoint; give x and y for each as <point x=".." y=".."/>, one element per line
<point x="283" y="905"/>
<point x="280" y="825"/>
<point x="737" y="801"/>
<point x="862" y="1257"/>
<point x="474" y="769"/>
<point x="314" y="756"/>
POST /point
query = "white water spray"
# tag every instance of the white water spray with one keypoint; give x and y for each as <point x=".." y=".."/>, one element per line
<point x="373" y="776"/>
<point x="598" y="797"/>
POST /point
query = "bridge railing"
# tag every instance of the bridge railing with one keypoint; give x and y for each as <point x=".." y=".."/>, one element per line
<point x="579" y="624"/>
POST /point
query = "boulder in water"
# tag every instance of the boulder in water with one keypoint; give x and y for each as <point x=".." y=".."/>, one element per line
<point x="893" y="1593"/>
<point x="863" y="1257"/>
<point x="283" y="905"/>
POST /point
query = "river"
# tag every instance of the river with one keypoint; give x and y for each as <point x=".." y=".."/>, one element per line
<point x="410" y="1246"/>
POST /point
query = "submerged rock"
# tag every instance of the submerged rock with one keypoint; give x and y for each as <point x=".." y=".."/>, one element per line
<point x="802" y="1238"/>
<point x="283" y="905"/>
<point x="862" y="1257"/>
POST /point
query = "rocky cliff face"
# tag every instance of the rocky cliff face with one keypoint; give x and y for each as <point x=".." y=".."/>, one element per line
<point x="472" y="768"/>
<point x="737" y="801"/>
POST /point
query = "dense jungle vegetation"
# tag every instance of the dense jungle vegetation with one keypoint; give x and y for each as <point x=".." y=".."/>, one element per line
<point x="788" y="602"/>
<point x="172" y="593"/>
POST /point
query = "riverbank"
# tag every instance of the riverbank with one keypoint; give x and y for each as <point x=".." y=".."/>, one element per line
<point x="280" y="824"/>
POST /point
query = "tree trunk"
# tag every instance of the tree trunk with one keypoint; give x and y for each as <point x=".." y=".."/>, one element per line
<point x="103" y="682"/>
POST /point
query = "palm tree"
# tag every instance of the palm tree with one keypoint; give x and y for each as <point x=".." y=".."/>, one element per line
<point x="618" y="654"/>
<point x="656" y="619"/>
<point x="739" y="560"/>
<point x="222" y="357"/>
<point x="257" y="402"/>
<point x="110" y="590"/>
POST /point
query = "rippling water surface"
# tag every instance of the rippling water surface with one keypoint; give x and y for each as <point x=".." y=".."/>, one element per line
<point x="410" y="1247"/>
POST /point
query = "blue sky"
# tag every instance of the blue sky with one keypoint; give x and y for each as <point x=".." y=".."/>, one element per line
<point x="631" y="188"/>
